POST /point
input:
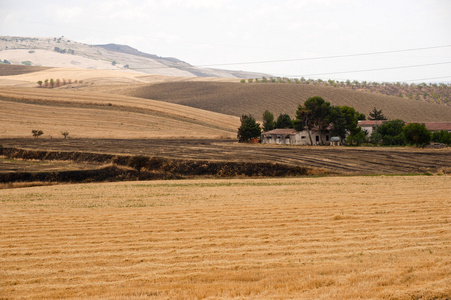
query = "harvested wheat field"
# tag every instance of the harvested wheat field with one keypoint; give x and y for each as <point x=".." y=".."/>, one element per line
<point x="302" y="238"/>
<point x="97" y="115"/>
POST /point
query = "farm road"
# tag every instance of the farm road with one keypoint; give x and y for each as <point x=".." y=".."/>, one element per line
<point x="338" y="159"/>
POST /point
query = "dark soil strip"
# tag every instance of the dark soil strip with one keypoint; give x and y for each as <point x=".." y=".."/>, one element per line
<point x="8" y="70"/>
<point x="140" y="168"/>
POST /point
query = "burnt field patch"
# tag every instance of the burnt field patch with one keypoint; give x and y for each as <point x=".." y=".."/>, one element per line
<point x="342" y="160"/>
<point x="138" y="167"/>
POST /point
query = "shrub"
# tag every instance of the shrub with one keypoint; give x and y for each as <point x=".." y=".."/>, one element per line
<point x="417" y="134"/>
<point x="392" y="132"/>
<point x="249" y="129"/>
<point x="37" y="133"/>
<point x="442" y="136"/>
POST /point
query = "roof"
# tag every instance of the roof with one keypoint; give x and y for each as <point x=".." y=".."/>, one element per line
<point x="281" y="131"/>
<point x="436" y="126"/>
<point x="367" y="123"/>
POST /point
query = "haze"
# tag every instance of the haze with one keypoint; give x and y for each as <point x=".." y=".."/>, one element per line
<point x="217" y="33"/>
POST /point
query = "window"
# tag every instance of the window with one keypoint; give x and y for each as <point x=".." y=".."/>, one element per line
<point x="303" y="137"/>
<point x="327" y="138"/>
<point x="317" y="138"/>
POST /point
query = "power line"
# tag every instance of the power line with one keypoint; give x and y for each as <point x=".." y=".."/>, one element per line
<point x="442" y="77"/>
<point x="370" y="70"/>
<point x="310" y="58"/>
<point x="325" y="57"/>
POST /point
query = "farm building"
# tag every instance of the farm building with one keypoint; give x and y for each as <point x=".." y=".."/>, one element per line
<point x="293" y="137"/>
<point x="437" y="126"/>
<point x="370" y="125"/>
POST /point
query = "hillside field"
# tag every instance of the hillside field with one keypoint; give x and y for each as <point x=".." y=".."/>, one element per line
<point x="237" y="98"/>
<point x="97" y="115"/>
<point x="308" y="238"/>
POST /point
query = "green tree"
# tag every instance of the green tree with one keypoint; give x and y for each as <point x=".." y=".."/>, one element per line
<point x="352" y="119"/>
<point x="52" y="83"/>
<point x="268" y="121"/>
<point x="40" y="83"/>
<point x="442" y="136"/>
<point x="417" y="134"/>
<point x="376" y="115"/>
<point x="249" y="129"/>
<point x="338" y="122"/>
<point x="303" y="120"/>
<point x="320" y="113"/>
<point x="356" y="139"/>
<point x="284" y="121"/>
<point x="392" y="132"/>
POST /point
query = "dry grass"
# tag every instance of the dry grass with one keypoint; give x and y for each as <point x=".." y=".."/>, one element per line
<point x="97" y="115"/>
<point x="237" y="98"/>
<point x="323" y="238"/>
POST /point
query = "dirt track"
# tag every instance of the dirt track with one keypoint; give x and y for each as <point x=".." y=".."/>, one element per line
<point x="338" y="159"/>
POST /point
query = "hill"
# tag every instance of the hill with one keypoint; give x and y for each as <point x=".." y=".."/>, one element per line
<point x="97" y="115"/>
<point x="238" y="98"/>
<point x="62" y="52"/>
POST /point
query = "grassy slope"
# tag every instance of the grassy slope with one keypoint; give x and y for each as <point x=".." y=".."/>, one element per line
<point x="236" y="99"/>
<point x="98" y="115"/>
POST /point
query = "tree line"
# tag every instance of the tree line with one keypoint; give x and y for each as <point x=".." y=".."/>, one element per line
<point x="428" y="92"/>
<point x="342" y="122"/>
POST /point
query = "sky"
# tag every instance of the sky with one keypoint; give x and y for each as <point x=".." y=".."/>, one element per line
<point x="327" y="39"/>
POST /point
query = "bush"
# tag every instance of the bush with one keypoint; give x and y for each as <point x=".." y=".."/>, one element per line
<point x="442" y="136"/>
<point x="392" y="133"/>
<point x="37" y="133"/>
<point x="249" y="129"/>
<point x="356" y="139"/>
<point x="417" y="134"/>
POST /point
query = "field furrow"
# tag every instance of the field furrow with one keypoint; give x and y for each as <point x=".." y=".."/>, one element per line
<point x="356" y="237"/>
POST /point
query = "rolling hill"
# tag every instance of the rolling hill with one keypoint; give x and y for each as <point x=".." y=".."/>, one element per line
<point x="97" y="115"/>
<point x="62" y="52"/>
<point x="238" y="98"/>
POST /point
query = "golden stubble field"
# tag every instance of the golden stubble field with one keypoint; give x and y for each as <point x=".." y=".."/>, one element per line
<point x="299" y="238"/>
<point x="97" y="115"/>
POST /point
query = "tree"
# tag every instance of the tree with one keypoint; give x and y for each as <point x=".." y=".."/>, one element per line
<point x="392" y="132"/>
<point x="52" y="83"/>
<point x="40" y="83"/>
<point x="356" y="139"/>
<point x="65" y="133"/>
<point x="320" y="112"/>
<point x="37" y="133"/>
<point x="352" y="119"/>
<point x="249" y="129"/>
<point x="377" y="115"/>
<point x="268" y="121"/>
<point x="442" y="136"/>
<point x="284" y="121"/>
<point x="417" y="134"/>
<point x="303" y="120"/>
<point x="338" y="122"/>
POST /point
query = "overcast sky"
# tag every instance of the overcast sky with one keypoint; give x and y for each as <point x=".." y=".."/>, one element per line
<point x="215" y="32"/>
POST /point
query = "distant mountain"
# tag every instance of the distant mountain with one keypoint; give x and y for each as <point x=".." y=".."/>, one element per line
<point x="62" y="52"/>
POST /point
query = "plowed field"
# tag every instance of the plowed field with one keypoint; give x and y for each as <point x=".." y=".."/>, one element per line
<point x="338" y="159"/>
<point x="237" y="99"/>
<point x="311" y="238"/>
